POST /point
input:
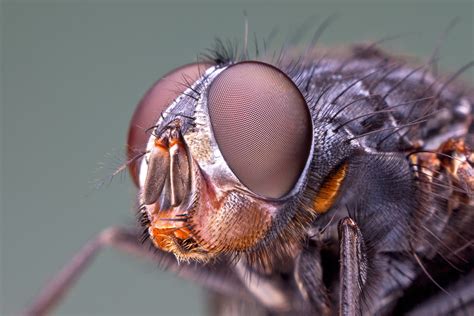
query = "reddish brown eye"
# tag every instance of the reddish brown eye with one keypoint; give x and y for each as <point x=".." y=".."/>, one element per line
<point x="262" y="126"/>
<point x="153" y="103"/>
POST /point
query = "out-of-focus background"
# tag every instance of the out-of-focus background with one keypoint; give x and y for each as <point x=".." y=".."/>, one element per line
<point x="72" y="72"/>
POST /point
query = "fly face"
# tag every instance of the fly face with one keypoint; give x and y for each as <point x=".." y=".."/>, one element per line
<point x="226" y="161"/>
<point x="246" y="157"/>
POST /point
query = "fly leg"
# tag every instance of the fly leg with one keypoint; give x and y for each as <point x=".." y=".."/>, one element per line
<point x="353" y="267"/>
<point x="309" y="278"/>
<point x="268" y="291"/>
<point x="458" y="300"/>
<point x="127" y="241"/>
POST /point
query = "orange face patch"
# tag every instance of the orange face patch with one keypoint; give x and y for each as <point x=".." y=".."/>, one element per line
<point x="164" y="238"/>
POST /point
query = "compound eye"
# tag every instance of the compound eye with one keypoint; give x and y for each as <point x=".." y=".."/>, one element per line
<point x="153" y="103"/>
<point x="262" y="126"/>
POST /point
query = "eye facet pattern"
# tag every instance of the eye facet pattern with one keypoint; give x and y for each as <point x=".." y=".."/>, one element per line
<point x="262" y="125"/>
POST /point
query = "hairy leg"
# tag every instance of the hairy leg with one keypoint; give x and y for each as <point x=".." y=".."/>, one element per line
<point x="212" y="277"/>
<point x="459" y="300"/>
<point x="353" y="267"/>
<point x="309" y="278"/>
<point x="268" y="291"/>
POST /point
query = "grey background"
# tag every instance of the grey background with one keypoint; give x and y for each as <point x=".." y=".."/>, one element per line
<point x="71" y="75"/>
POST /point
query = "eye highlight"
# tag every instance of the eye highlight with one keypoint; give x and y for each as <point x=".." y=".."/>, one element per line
<point x="262" y="125"/>
<point x="153" y="103"/>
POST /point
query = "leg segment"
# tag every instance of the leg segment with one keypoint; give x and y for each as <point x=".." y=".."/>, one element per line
<point x="213" y="277"/>
<point x="309" y="278"/>
<point x="268" y="291"/>
<point x="459" y="301"/>
<point x="353" y="267"/>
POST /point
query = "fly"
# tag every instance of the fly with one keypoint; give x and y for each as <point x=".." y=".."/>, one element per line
<point x="335" y="182"/>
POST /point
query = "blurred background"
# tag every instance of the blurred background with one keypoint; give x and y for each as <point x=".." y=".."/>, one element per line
<point x="72" y="72"/>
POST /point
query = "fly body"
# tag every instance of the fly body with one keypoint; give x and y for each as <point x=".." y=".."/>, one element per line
<point x="318" y="183"/>
<point x="298" y="163"/>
